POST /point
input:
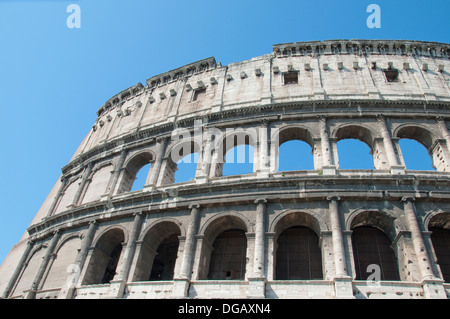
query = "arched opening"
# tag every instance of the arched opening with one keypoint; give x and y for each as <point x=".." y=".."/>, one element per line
<point x="293" y="149"/>
<point x="295" y="155"/>
<point x="223" y="249"/>
<point x="298" y="255"/>
<point x="354" y="146"/>
<point x="182" y="162"/>
<point x="373" y="255"/>
<point x="439" y="226"/>
<point x="441" y="242"/>
<point x="98" y="184"/>
<point x="157" y="253"/>
<point x="186" y="168"/>
<point x="234" y="154"/>
<point x="414" y="144"/>
<point x="111" y="266"/>
<point x="141" y="178"/>
<point x="239" y="160"/>
<point x="164" y="263"/>
<point x="138" y="165"/>
<point x="415" y="155"/>
<point x="354" y="154"/>
<point x="228" y="258"/>
<point x="105" y="258"/>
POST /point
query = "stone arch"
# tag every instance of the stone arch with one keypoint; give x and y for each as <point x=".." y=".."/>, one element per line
<point x="174" y="153"/>
<point x="425" y="137"/>
<point x="358" y="132"/>
<point x="220" y="234"/>
<point x="99" y="180"/>
<point x="64" y="240"/>
<point x="221" y="222"/>
<point x="154" y="225"/>
<point x="105" y="256"/>
<point x="228" y="140"/>
<point x="28" y="274"/>
<point x="375" y="218"/>
<point x="157" y="250"/>
<point x="131" y="168"/>
<point x="416" y="132"/>
<point x="291" y="132"/>
<point x="355" y="131"/>
<point x="373" y="237"/>
<point x="288" y="133"/>
<point x="290" y="218"/>
<point x="65" y="254"/>
<point x="440" y="219"/>
<point x="297" y="250"/>
<point x="68" y="194"/>
<point x="108" y="229"/>
<point x="439" y="226"/>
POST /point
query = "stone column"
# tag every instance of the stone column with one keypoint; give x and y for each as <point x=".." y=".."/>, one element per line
<point x="156" y="169"/>
<point x="206" y="157"/>
<point x="396" y="167"/>
<point x="68" y="291"/>
<point x="31" y="294"/>
<point x="84" y="180"/>
<point x="263" y="151"/>
<point x="417" y="239"/>
<point x="328" y="166"/>
<point x="337" y="237"/>
<point x="433" y="287"/>
<point x="119" y="282"/>
<point x="342" y="282"/>
<point x="257" y="288"/>
<point x="181" y="284"/>
<point x="260" y="229"/>
<point x="266" y="75"/>
<point x="18" y="270"/>
<point x="58" y="196"/>
<point x="444" y="130"/>
<point x="115" y="178"/>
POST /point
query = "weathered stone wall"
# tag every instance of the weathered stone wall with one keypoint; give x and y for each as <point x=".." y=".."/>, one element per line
<point x="318" y="92"/>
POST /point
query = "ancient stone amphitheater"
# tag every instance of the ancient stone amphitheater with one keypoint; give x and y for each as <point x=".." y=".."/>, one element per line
<point x="324" y="232"/>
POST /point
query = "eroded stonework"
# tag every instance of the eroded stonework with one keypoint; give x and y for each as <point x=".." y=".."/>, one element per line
<point x="244" y="236"/>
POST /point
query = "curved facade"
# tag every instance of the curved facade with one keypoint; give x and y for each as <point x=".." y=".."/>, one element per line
<point x="323" y="232"/>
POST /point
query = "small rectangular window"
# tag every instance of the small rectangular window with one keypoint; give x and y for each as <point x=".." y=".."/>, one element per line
<point x="290" y="77"/>
<point x="198" y="93"/>
<point x="391" y="75"/>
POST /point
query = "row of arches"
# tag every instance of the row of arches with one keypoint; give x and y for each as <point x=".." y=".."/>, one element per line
<point x="298" y="253"/>
<point x="262" y="149"/>
<point x="298" y="247"/>
<point x="294" y="155"/>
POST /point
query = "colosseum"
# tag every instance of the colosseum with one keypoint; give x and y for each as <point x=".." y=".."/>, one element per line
<point x="322" y="232"/>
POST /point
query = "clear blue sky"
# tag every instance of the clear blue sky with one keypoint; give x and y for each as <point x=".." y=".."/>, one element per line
<point x="53" y="79"/>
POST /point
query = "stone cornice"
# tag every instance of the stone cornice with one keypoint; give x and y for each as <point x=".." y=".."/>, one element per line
<point x="182" y="72"/>
<point x="364" y="47"/>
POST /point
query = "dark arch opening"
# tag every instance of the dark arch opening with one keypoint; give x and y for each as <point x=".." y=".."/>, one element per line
<point x="164" y="262"/>
<point x="371" y="247"/>
<point x="298" y="255"/>
<point x="228" y="259"/>
<point x="440" y="238"/>
<point x="105" y="258"/>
